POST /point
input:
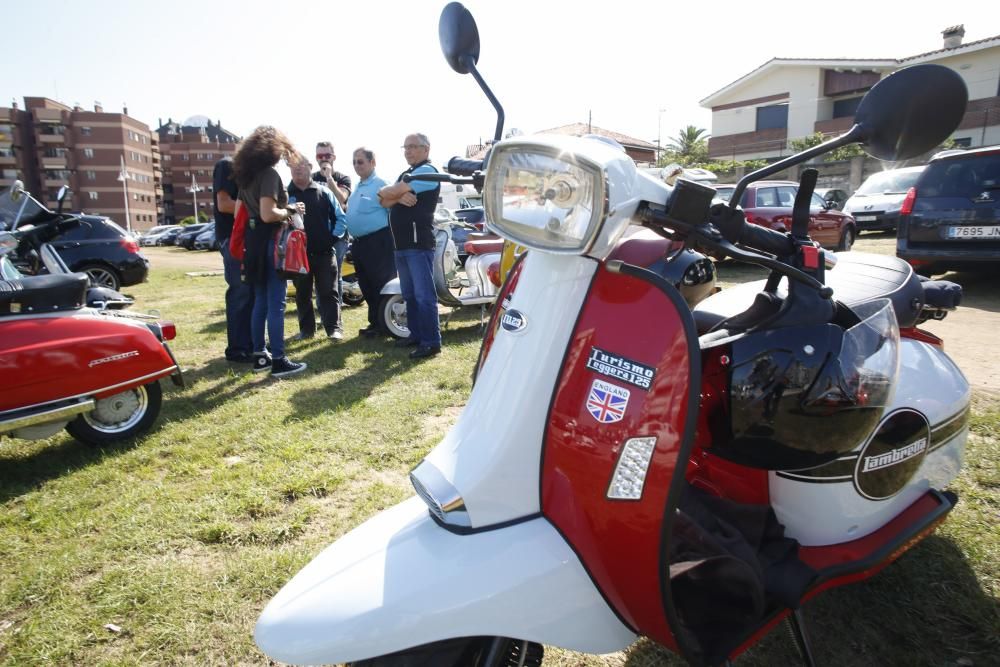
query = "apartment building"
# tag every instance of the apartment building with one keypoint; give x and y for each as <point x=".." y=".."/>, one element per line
<point x="788" y="98"/>
<point x="188" y="152"/>
<point x="49" y="144"/>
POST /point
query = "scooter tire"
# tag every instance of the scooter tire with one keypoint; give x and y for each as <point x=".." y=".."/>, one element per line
<point x="120" y="417"/>
<point x="389" y="309"/>
<point x="463" y="652"/>
<point x="352" y="298"/>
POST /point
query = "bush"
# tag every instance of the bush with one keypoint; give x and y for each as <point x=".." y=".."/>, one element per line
<point x="202" y="217"/>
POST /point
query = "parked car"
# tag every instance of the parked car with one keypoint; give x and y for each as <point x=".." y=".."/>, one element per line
<point x="769" y="203"/>
<point x="875" y="205"/>
<point x="206" y="239"/>
<point x="474" y="216"/>
<point x="108" y="254"/>
<point x="951" y="218"/>
<point x="150" y="236"/>
<point x="187" y="236"/>
<point x="835" y="196"/>
<point x="169" y="237"/>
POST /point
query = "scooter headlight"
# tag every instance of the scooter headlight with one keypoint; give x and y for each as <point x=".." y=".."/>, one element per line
<point x="544" y="198"/>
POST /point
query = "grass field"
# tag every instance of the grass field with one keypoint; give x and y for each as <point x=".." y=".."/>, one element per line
<point x="178" y="540"/>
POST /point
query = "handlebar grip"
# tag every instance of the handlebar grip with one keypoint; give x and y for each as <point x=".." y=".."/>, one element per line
<point x="436" y="178"/>
<point x="766" y="240"/>
<point x="461" y="167"/>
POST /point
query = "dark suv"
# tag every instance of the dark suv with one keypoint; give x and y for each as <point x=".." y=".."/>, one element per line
<point x="951" y="218"/>
<point x="104" y="251"/>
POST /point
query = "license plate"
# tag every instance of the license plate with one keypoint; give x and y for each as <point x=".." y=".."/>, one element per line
<point x="865" y="218"/>
<point x="973" y="232"/>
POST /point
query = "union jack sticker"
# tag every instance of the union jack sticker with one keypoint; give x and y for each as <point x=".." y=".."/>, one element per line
<point x="607" y="402"/>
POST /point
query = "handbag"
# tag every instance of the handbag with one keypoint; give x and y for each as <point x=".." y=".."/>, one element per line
<point x="290" y="258"/>
<point x="237" y="240"/>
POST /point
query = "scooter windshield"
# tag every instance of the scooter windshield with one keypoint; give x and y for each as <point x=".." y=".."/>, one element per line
<point x="19" y="211"/>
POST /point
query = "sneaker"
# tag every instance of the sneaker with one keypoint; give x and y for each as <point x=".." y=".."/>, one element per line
<point x="261" y="362"/>
<point x="336" y="336"/>
<point x="369" y="331"/>
<point x="424" y="351"/>
<point x="282" y="366"/>
<point x="406" y="342"/>
<point x="301" y="336"/>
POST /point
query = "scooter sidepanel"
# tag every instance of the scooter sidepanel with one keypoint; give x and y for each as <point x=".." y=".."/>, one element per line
<point x="49" y="358"/>
<point x="626" y="377"/>
<point x="400" y="580"/>
<point x="930" y="389"/>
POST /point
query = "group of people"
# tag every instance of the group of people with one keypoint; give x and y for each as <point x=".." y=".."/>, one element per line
<point x="389" y="228"/>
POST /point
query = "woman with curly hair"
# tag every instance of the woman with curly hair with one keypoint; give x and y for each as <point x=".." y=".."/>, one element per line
<point x="266" y="199"/>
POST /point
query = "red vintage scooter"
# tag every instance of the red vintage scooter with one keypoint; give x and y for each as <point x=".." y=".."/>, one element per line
<point x="94" y="372"/>
<point x="630" y="463"/>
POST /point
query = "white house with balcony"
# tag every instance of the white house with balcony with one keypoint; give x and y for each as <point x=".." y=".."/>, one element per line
<point x="787" y="98"/>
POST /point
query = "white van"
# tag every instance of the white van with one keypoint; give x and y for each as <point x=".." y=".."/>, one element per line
<point x="456" y="197"/>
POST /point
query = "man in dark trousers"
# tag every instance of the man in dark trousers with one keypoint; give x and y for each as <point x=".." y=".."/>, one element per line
<point x="239" y="295"/>
<point x="325" y="224"/>
<point x="340" y="186"/>
<point x="411" y="218"/>
<point x="372" y="248"/>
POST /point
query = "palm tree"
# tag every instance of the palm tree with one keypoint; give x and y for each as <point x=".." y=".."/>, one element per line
<point x="690" y="145"/>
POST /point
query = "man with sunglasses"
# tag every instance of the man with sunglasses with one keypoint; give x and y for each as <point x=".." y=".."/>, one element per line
<point x="340" y="185"/>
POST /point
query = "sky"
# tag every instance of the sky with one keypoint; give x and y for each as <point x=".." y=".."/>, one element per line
<point x="368" y="73"/>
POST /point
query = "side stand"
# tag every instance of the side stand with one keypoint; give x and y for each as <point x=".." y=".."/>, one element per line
<point x="796" y="624"/>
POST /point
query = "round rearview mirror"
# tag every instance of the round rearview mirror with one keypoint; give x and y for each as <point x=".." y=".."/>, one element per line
<point x="911" y="111"/>
<point x="16" y="191"/>
<point x="459" y="37"/>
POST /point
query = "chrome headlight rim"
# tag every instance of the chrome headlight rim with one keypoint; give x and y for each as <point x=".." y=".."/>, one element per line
<point x="600" y="202"/>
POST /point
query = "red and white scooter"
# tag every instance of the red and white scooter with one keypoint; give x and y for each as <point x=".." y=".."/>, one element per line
<point x="629" y="465"/>
<point x="94" y="372"/>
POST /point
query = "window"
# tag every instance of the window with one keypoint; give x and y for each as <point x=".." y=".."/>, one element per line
<point x="964" y="142"/>
<point x="767" y="197"/>
<point x="772" y="117"/>
<point x="88" y="152"/>
<point x="90" y="174"/>
<point x="56" y="152"/>
<point x="846" y="108"/>
<point x="85" y="131"/>
<point x="93" y="195"/>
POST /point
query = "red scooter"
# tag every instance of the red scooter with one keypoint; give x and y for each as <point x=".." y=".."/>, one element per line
<point x="632" y="463"/>
<point x="94" y="372"/>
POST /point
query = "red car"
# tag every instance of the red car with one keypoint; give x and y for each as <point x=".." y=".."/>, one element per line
<point x="769" y="203"/>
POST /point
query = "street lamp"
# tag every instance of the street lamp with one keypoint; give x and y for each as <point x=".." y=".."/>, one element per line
<point x="659" y="126"/>
<point x="195" y="189"/>
<point x="123" y="177"/>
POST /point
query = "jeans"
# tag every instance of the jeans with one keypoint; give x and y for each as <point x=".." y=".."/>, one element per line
<point x="269" y="308"/>
<point x="239" y="305"/>
<point x="322" y="272"/>
<point x="416" y="281"/>
<point x="340" y="247"/>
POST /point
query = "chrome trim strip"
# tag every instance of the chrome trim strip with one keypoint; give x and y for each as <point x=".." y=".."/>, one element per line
<point x="46" y="416"/>
<point x="158" y="374"/>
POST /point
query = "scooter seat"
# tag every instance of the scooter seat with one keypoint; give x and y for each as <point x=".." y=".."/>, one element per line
<point x="857" y="278"/>
<point x="483" y="246"/>
<point x="43" y="294"/>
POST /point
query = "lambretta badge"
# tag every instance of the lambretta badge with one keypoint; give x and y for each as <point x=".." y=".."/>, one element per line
<point x="513" y="321"/>
<point x="894" y="457"/>
<point x="888" y="461"/>
<point x="621" y="368"/>
<point x="114" y="357"/>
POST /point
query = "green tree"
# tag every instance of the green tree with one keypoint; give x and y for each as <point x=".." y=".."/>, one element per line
<point x="688" y="147"/>
<point x="816" y="138"/>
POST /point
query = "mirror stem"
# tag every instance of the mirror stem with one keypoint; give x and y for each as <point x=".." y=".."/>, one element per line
<point x="468" y="62"/>
<point x="854" y="134"/>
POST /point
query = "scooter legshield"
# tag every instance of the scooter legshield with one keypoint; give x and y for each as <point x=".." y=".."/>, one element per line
<point x="400" y="580"/>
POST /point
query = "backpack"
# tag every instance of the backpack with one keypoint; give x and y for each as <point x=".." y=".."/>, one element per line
<point x="290" y="258"/>
<point x="237" y="240"/>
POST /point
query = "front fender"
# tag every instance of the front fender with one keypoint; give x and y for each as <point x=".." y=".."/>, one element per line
<point x="392" y="287"/>
<point x="400" y="580"/>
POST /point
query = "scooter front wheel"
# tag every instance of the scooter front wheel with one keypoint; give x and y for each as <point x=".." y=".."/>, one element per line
<point x="392" y="315"/>
<point x="463" y="652"/>
<point x="119" y="417"/>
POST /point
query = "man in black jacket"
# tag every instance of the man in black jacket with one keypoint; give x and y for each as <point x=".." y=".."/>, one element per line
<point x="411" y="218"/>
<point x="325" y="225"/>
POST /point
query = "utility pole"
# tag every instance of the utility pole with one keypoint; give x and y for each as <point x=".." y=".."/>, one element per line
<point x="123" y="177"/>
<point x="195" y="189"/>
